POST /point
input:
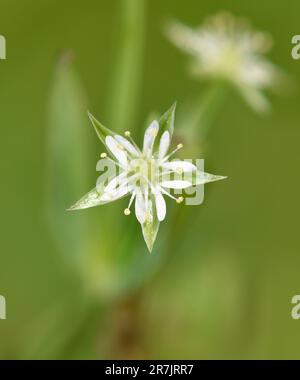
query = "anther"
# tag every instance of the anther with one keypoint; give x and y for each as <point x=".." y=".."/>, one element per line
<point x="127" y="134"/>
<point x="127" y="212"/>
<point x="179" y="146"/>
<point x="103" y="155"/>
<point x="179" y="200"/>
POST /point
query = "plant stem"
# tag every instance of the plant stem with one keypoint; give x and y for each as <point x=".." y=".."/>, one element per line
<point x="125" y="335"/>
<point x="124" y="103"/>
<point x="128" y="65"/>
<point x="201" y="120"/>
<point x="203" y="114"/>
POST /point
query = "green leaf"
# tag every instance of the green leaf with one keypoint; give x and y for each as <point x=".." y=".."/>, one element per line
<point x="68" y="151"/>
<point x="166" y="122"/>
<point x="127" y="74"/>
<point x="150" y="228"/>
<point x="196" y="178"/>
<point x="100" y="129"/>
<point x="91" y="199"/>
<point x="201" y="178"/>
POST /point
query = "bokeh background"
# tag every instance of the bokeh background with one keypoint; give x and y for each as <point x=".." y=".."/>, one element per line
<point x="224" y="288"/>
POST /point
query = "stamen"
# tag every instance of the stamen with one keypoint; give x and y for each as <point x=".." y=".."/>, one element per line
<point x="168" y="194"/>
<point x="127" y="211"/>
<point x="179" y="200"/>
<point x="131" y="200"/>
<point x="127" y="134"/>
<point x="179" y="146"/>
<point x="103" y="155"/>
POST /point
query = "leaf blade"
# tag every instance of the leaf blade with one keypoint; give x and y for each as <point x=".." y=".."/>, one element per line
<point x="167" y="120"/>
<point x="150" y="227"/>
<point x="101" y="131"/>
<point x="68" y="148"/>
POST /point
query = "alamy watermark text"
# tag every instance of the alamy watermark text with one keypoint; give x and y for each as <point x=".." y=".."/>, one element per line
<point x="2" y="47"/>
<point x="2" y="307"/>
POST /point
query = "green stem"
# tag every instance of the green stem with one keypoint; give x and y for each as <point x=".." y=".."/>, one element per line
<point x="201" y="120"/>
<point x="128" y="65"/>
<point x="124" y="96"/>
<point x="204" y="113"/>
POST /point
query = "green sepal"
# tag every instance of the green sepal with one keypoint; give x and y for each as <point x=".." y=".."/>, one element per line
<point x="166" y="123"/>
<point x="101" y="131"/>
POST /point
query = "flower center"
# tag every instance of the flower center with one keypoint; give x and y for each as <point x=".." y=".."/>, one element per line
<point x="144" y="170"/>
<point x="229" y="59"/>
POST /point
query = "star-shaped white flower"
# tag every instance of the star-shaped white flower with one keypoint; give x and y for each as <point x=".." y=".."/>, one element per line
<point x="146" y="175"/>
<point x="226" y="48"/>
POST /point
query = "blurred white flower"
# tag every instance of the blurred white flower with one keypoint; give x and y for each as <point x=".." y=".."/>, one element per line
<point x="227" y="48"/>
<point x="145" y="175"/>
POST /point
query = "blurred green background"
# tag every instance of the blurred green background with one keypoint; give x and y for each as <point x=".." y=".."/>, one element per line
<point x="225" y="291"/>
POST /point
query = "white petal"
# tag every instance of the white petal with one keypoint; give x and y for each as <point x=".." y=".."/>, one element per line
<point x="127" y="145"/>
<point x="256" y="99"/>
<point x="116" y="182"/>
<point x="160" y="207"/>
<point x="116" y="194"/>
<point x="115" y="149"/>
<point x="176" y="184"/>
<point x="140" y="208"/>
<point x="177" y="166"/>
<point x="149" y="138"/>
<point x="164" y="144"/>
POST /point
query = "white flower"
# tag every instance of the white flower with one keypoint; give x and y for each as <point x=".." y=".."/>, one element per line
<point x="226" y="48"/>
<point x="146" y="175"/>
